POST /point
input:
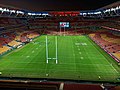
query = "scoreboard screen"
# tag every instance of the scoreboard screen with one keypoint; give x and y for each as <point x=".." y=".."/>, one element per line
<point x="64" y="24"/>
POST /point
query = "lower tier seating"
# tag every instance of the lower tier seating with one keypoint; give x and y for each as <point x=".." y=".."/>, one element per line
<point x="108" y="41"/>
<point x="14" y="43"/>
<point x="4" y="49"/>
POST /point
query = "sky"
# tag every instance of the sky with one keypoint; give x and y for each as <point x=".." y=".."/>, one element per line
<point x="56" y="5"/>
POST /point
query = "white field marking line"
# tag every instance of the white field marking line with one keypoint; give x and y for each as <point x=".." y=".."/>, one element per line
<point x="31" y="63"/>
<point x="81" y="57"/>
<point x="114" y="68"/>
<point x="77" y="56"/>
<point x="94" y="57"/>
<point x="67" y="63"/>
<point x="73" y="50"/>
<point x="79" y="52"/>
<point x="88" y="64"/>
<point x="51" y="58"/>
<point x="60" y="69"/>
<point x="54" y="58"/>
<point x="73" y="53"/>
<point x="27" y="56"/>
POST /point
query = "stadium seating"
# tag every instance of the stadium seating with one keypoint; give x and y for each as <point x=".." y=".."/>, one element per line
<point x="81" y="87"/>
<point x="108" y="41"/>
<point x="32" y="35"/>
<point x="14" y="43"/>
<point x="18" y="27"/>
<point x="117" y="54"/>
<point x="4" y="49"/>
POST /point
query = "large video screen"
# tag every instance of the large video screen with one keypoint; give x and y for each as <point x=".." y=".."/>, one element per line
<point x="64" y="24"/>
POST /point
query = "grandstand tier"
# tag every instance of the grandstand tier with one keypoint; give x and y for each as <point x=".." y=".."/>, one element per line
<point x="67" y="47"/>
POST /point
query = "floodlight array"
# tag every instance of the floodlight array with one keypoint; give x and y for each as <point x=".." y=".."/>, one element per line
<point x="11" y="10"/>
<point x="109" y="12"/>
<point x="102" y="12"/>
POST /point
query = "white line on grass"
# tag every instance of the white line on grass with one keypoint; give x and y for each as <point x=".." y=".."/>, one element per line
<point x="73" y="52"/>
<point x="60" y="69"/>
<point x="114" y="68"/>
<point x="27" y="56"/>
<point x="81" y="57"/>
<point x="87" y="64"/>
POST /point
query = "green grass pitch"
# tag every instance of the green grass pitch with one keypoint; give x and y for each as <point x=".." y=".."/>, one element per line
<point x="78" y="59"/>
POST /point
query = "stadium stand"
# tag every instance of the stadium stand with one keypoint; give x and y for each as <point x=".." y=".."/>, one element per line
<point x="32" y="35"/>
<point x="4" y="49"/>
<point x="17" y="31"/>
<point x="14" y="43"/>
<point x="108" y="41"/>
<point x="82" y="87"/>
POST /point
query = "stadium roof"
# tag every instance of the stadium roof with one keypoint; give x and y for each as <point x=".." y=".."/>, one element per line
<point x="57" y="5"/>
<point x="111" y="5"/>
<point x="11" y="7"/>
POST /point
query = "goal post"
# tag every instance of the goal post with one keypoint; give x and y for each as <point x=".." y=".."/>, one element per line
<point x="64" y="31"/>
<point x="56" y="51"/>
<point x="46" y="49"/>
<point x="60" y="31"/>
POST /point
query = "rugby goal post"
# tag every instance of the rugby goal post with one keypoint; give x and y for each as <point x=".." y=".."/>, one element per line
<point x="56" y="51"/>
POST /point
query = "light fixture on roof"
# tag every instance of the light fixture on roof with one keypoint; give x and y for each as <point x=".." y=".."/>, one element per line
<point x="12" y="11"/>
<point x="19" y="12"/>
<point x="1" y="9"/>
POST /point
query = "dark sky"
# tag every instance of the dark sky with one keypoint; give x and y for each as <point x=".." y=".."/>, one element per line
<point x="42" y="5"/>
